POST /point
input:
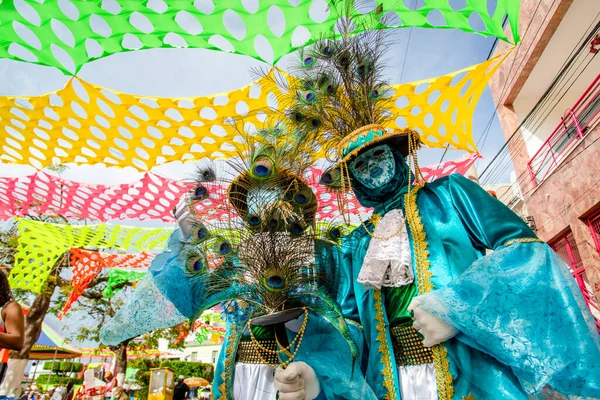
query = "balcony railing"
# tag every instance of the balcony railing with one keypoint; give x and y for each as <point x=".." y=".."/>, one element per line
<point x="579" y="120"/>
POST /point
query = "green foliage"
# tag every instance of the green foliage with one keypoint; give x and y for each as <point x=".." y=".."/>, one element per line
<point x="185" y="368"/>
<point x="57" y="380"/>
<point x="63" y="367"/>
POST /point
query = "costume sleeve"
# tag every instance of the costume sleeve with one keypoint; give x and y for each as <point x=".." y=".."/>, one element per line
<point x="328" y="354"/>
<point x="488" y="221"/>
<point x="324" y="348"/>
<point x="519" y="304"/>
<point x="148" y="307"/>
<point x="165" y="297"/>
<point x="342" y="270"/>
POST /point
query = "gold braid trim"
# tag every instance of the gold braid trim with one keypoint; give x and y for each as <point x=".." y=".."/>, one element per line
<point x="388" y="379"/>
<point x="415" y="224"/>
<point x="227" y="363"/>
<point x="352" y="322"/>
<point x="523" y="240"/>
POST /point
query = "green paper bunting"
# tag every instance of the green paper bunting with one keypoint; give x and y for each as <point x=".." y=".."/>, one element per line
<point x="67" y="34"/>
<point x="117" y="277"/>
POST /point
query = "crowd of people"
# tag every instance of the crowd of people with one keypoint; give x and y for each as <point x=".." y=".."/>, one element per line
<point x="56" y="393"/>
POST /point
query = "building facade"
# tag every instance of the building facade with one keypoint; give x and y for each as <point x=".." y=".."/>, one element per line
<point x="548" y="102"/>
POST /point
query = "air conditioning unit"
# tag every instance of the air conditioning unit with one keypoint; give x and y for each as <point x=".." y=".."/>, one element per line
<point x="530" y="222"/>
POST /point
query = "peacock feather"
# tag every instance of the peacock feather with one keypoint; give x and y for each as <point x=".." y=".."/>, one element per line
<point x="337" y="84"/>
<point x="260" y="242"/>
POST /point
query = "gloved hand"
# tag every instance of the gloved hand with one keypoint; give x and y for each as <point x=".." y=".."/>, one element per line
<point x="432" y="327"/>
<point x="297" y="382"/>
<point x="185" y="219"/>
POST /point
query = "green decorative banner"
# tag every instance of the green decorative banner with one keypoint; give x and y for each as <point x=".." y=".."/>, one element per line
<point x="41" y="244"/>
<point x="117" y="277"/>
<point x="67" y="34"/>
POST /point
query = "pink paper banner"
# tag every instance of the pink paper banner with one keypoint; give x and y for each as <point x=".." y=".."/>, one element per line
<point x="153" y="197"/>
<point x="461" y="167"/>
<point x="150" y="198"/>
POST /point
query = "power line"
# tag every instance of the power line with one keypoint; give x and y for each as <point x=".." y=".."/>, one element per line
<point x="543" y="100"/>
<point x="564" y="164"/>
<point x="510" y="81"/>
<point x="407" y="46"/>
<point x="506" y="156"/>
<point x="499" y="171"/>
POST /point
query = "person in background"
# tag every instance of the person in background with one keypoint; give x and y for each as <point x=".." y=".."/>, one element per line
<point x="59" y="393"/>
<point x="12" y="322"/>
<point x="12" y="333"/>
<point x="70" y="393"/>
<point x="181" y="389"/>
<point x="110" y="384"/>
<point x="120" y="394"/>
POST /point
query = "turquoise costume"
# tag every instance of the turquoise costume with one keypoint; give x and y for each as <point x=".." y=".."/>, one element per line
<point x="264" y="256"/>
<point x="522" y="321"/>
<point x="322" y="347"/>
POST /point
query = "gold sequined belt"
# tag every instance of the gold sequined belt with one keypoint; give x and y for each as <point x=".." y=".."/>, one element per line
<point x="248" y="352"/>
<point x="408" y="347"/>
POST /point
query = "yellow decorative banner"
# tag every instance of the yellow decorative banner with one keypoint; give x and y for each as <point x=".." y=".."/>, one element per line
<point x="441" y="109"/>
<point x="41" y="244"/>
<point x="87" y="124"/>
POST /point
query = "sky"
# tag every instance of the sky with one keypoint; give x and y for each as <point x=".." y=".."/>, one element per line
<point x="415" y="54"/>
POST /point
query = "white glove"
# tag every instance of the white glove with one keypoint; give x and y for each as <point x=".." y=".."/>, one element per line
<point x="185" y="219"/>
<point x="432" y="327"/>
<point x="297" y="382"/>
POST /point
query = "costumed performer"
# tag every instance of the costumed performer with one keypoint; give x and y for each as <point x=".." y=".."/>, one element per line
<point x="263" y="257"/>
<point x="442" y="320"/>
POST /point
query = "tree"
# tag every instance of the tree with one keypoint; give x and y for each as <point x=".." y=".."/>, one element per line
<point x="40" y="303"/>
<point x="99" y="309"/>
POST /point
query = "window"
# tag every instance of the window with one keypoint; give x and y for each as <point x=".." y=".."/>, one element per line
<point x="194" y="356"/>
<point x="578" y="121"/>
<point x="566" y="248"/>
<point x="215" y="356"/>
<point x="594" y="223"/>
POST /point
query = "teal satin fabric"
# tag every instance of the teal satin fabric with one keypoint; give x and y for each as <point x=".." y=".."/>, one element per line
<point x="461" y="221"/>
<point x="323" y="348"/>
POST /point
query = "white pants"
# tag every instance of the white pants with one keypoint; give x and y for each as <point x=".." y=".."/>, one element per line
<point x="417" y="382"/>
<point x="15" y="372"/>
<point x="253" y="382"/>
<point x="256" y="382"/>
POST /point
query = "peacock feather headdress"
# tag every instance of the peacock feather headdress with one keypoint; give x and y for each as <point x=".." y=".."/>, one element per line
<point x="338" y="94"/>
<point x="261" y="245"/>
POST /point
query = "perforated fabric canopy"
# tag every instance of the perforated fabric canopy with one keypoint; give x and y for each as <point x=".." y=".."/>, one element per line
<point x="91" y="125"/>
<point x="66" y="34"/>
<point x="86" y="265"/>
<point x="151" y="197"/>
<point x="40" y="245"/>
